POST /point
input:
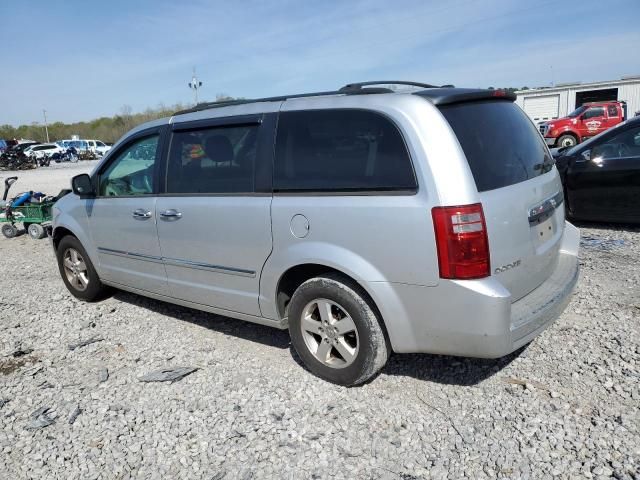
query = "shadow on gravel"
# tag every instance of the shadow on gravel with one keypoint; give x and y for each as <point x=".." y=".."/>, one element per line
<point x="253" y="332"/>
<point x="619" y="227"/>
<point x="433" y="368"/>
<point x="446" y="369"/>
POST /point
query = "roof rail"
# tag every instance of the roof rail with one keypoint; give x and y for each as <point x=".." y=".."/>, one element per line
<point x="342" y="91"/>
<point x="359" y="85"/>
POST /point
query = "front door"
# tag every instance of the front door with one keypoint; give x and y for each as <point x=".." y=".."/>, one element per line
<point x="592" y="122"/>
<point x="214" y="221"/>
<point x="606" y="187"/>
<point x="123" y="216"/>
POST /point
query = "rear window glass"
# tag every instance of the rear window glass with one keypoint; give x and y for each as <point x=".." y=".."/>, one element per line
<point x="340" y="150"/>
<point x="501" y="144"/>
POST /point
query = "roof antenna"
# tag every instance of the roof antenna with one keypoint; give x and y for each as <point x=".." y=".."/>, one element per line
<point x="195" y="85"/>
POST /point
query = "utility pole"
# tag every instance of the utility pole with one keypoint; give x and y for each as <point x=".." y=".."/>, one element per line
<point x="46" y="127"/>
<point x="195" y="85"/>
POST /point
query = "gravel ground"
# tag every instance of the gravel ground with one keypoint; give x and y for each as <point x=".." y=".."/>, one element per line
<point x="50" y="179"/>
<point x="567" y="406"/>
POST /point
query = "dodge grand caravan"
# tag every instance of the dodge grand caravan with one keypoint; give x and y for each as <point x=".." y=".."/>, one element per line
<point x="363" y="220"/>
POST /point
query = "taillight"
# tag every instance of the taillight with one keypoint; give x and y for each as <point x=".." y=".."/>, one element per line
<point x="461" y="239"/>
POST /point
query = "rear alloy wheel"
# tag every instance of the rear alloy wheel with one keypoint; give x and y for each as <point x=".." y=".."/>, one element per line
<point x="77" y="271"/>
<point x="567" y="141"/>
<point x="336" y="331"/>
<point x="329" y="333"/>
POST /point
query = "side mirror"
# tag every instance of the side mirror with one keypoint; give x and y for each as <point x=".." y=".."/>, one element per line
<point x="83" y="186"/>
<point x="586" y="155"/>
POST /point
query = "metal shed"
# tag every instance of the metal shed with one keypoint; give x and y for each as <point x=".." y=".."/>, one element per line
<point x="543" y="104"/>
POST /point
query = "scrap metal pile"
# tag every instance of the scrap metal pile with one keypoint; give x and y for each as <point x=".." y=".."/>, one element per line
<point x="11" y="160"/>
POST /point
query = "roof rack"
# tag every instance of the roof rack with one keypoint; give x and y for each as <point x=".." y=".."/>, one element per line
<point x="346" y="90"/>
<point x="359" y="85"/>
<point x="357" y="88"/>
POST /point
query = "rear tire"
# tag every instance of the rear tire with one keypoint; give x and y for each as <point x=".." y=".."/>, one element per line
<point x="36" y="231"/>
<point x="77" y="271"/>
<point x="567" y="141"/>
<point x="336" y="331"/>
<point x="9" y="231"/>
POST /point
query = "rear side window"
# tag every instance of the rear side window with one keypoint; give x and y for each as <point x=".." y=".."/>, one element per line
<point x="213" y="160"/>
<point x="501" y="144"/>
<point x="340" y="150"/>
<point x="613" y="110"/>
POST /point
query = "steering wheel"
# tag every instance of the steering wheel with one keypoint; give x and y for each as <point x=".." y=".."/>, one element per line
<point x="623" y="150"/>
<point x="116" y="188"/>
<point x="146" y="180"/>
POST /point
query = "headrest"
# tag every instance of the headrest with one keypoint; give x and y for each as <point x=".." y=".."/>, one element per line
<point x="218" y="148"/>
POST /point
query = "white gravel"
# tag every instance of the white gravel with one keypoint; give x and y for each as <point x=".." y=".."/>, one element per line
<point x="565" y="407"/>
<point x="49" y="180"/>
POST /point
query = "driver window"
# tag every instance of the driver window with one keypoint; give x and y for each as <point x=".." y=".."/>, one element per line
<point x="593" y="113"/>
<point x="623" y="145"/>
<point x="131" y="173"/>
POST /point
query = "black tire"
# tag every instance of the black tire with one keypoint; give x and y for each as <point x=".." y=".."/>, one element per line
<point x="373" y="349"/>
<point x="94" y="290"/>
<point x="566" y="141"/>
<point x="36" y="231"/>
<point x="9" y="231"/>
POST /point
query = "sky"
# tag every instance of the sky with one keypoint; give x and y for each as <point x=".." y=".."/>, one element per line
<point x="81" y="60"/>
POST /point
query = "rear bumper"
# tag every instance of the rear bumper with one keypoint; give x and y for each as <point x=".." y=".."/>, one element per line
<point x="476" y="318"/>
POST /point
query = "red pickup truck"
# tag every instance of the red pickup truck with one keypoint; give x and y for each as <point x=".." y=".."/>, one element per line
<point x="585" y="121"/>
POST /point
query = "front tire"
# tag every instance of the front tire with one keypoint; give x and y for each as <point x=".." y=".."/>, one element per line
<point x="77" y="271"/>
<point x="336" y="331"/>
<point x="567" y="141"/>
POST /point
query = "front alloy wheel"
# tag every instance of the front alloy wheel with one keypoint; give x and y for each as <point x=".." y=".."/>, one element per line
<point x="75" y="269"/>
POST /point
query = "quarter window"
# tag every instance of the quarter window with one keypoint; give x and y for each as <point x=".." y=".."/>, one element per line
<point x="132" y="171"/>
<point x="213" y="160"/>
<point x="340" y="150"/>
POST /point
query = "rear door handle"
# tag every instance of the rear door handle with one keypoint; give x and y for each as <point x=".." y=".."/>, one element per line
<point x="170" y="214"/>
<point x="141" y="213"/>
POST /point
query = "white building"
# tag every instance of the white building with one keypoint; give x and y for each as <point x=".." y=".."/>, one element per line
<point x="542" y="104"/>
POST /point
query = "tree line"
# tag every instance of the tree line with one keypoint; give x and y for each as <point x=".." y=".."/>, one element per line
<point x="107" y="129"/>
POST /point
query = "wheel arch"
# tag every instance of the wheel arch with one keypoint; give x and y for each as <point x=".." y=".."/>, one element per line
<point x="296" y="275"/>
<point x="58" y="234"/>
<point x="73" y="228"/>
<point x="572" y="133"/>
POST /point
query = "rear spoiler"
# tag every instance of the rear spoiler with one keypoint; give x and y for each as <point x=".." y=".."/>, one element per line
<point x="448" y="96"/>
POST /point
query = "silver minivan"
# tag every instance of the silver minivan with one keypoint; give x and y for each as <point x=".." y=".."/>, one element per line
<point x="364" y="220"/>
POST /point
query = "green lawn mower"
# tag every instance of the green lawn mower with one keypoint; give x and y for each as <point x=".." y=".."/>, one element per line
<point x="32" y="209"/>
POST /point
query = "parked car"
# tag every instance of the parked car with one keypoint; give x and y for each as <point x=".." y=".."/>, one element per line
<point x="601" y="176"/>
<point x="3" y="146"/>
<point x="81" y="145"/>
<point x="98" y="147"/>
<point x="21" y="147"/>
<point x="586" y="121"/>
<point x="364" y="221"/>
<point x="42" y="150"/>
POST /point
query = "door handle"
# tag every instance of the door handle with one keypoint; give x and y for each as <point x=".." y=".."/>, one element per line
<point x="141" y="213"/>
<point x="170" y="214"/>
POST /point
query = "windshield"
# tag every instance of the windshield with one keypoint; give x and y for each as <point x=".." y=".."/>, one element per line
<point x="577" y="111"/>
